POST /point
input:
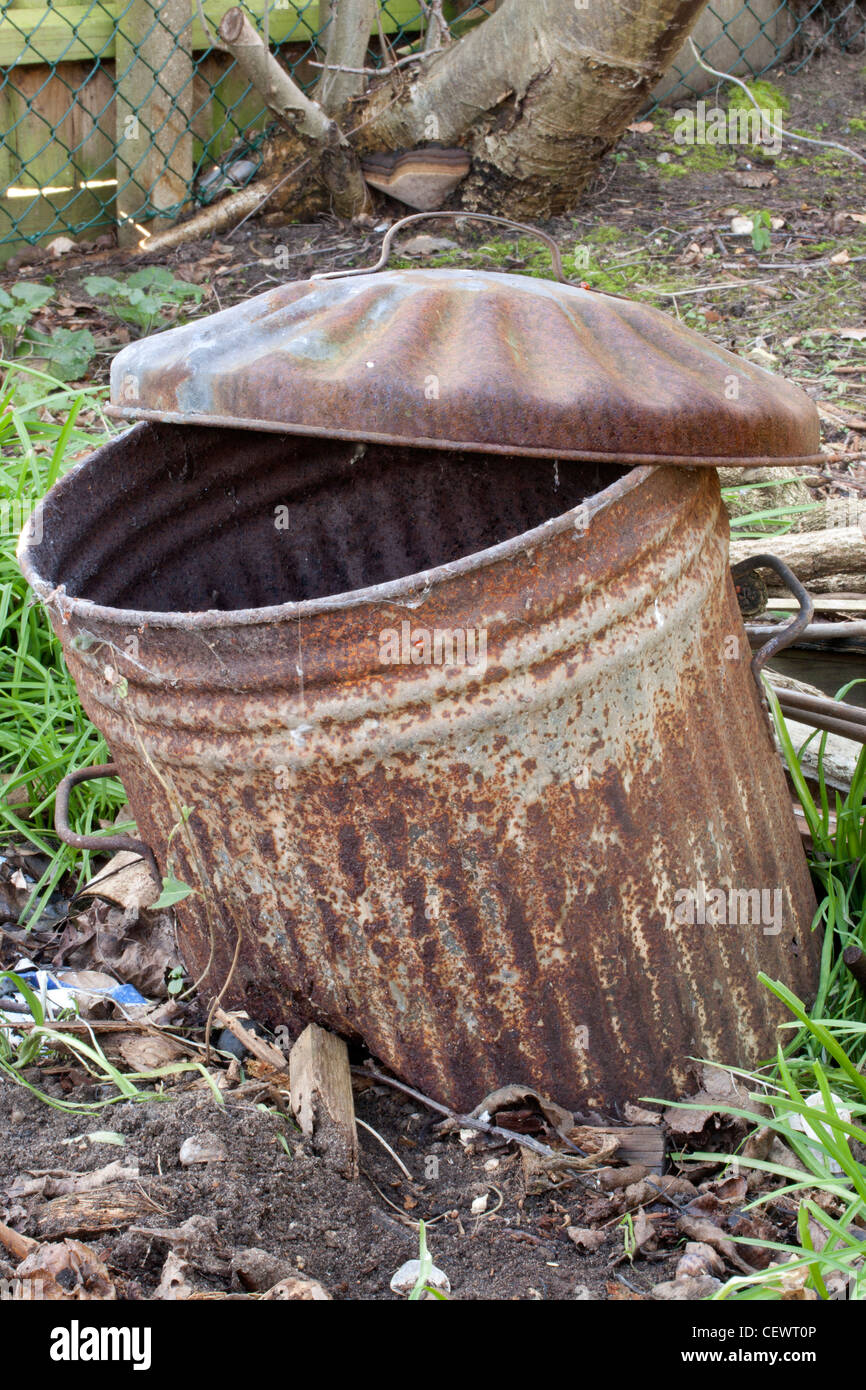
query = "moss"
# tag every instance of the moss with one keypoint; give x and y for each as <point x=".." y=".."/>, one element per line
<point x="768" y="97"/>
<point x="604" y="234"/>
<point x="856" y="123"/>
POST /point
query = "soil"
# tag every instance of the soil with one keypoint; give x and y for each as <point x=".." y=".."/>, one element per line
<point x="311" y="1220"/>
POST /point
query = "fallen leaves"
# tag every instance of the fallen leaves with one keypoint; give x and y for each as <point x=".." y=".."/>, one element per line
<point x="67" y="1270"/>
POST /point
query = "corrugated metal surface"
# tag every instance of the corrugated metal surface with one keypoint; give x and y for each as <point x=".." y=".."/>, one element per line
<point x="469" y="360"/>
<point x="474" y="870"/>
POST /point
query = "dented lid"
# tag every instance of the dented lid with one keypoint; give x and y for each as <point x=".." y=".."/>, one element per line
<point x="469" y="359"/>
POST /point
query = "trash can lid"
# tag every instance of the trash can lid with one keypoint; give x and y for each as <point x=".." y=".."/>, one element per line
<point x="470" y="360"/>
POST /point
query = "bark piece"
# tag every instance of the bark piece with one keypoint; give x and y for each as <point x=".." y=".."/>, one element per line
<point x="90" y="1213"/>
<point x="321" y="1087"/>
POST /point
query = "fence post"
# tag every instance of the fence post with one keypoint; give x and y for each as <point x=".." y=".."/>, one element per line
<point x="153" y="73"/>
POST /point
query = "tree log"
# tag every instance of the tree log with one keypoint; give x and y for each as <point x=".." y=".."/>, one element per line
<point x="831" y="561"/>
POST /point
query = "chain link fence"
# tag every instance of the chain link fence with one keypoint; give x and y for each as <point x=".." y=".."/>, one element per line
<point x="114" y="113"/>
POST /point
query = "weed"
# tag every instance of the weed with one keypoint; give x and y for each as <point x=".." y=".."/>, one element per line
<point x="144" y="296"/>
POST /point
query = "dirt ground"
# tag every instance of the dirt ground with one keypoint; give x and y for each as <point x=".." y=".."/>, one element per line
<point x="657" y="226"/>
<point x="308" y="1218"/>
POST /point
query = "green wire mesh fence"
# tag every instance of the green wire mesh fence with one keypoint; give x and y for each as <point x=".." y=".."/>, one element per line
<point x="117" y="112"/>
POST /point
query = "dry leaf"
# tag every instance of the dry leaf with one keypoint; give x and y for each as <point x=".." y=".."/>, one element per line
<point x="67" y="1270"/>
<point x="125" y="880"/>
<point x="174" y="1285"/>
<point x="752" y="178"/>
<point x="686" y="1290"/>
<point x="586" y="1238"/>
<point x="145" y="1051"/>
<point x="306" y="1290"/>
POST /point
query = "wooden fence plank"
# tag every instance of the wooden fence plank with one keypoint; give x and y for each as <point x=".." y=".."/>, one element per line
<point x="64" y="33"/>
<point x="153" y="109"/>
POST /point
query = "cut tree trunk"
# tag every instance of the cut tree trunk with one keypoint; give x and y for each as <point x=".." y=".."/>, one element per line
<point x="537" y="94"/>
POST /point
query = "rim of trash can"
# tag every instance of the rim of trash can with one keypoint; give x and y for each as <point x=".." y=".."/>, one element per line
<point x="627" y="460"/>
<point x="392" y="589"/>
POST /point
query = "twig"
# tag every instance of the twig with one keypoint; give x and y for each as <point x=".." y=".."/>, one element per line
<point x="18" y="1245"/>
<point x="385" y="1145"/>
<point x="465" y="1121"/>
<point x="771" y="125"/>
<point x="259" y="1047"/>
<point x="371" y="72"/>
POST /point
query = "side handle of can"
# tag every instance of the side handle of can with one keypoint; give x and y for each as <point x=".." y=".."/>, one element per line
<point x="792" y="630"/>
<point x="96" y="842"/>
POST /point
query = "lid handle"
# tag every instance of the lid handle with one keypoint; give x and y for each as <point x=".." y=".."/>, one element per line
<point x="388" y="239"/>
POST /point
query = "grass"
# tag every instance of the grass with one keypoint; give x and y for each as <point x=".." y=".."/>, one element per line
<point x="43" y="730"/>
<point x="19" y="1052"/>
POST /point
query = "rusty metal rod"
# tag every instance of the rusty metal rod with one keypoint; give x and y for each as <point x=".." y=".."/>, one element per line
<point x="96" y="842"/>
<point x="843" y="727"/>
<point x="787" y="635"/>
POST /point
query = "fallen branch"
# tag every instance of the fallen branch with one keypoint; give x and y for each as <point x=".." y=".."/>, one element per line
<point x="214" y="219"/>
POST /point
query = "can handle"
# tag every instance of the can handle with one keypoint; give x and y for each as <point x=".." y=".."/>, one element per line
<point x="98" y="842"/>
<point x="387" y="241"/>
<point x="792" y="630"/>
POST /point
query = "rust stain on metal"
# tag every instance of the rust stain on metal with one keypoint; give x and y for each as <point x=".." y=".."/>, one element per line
<point x="472" y="868"/>
<point x="457" y="359"/>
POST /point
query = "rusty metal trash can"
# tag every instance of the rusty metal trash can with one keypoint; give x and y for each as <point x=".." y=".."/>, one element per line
<point x="406" y="613"/>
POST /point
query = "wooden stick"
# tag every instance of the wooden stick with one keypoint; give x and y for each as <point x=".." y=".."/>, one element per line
<point x="320" y="1082"/>
<point x="18" y="1245"/>
<point x="259" y="1047"/>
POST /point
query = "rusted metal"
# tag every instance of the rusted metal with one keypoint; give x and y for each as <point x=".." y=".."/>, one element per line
<point x="833" y="716"/>
<point x="469" y="360"/>
<point x="99" y="843"/>
<point x="787" y="635"/>
<point x="473" y="867"/>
